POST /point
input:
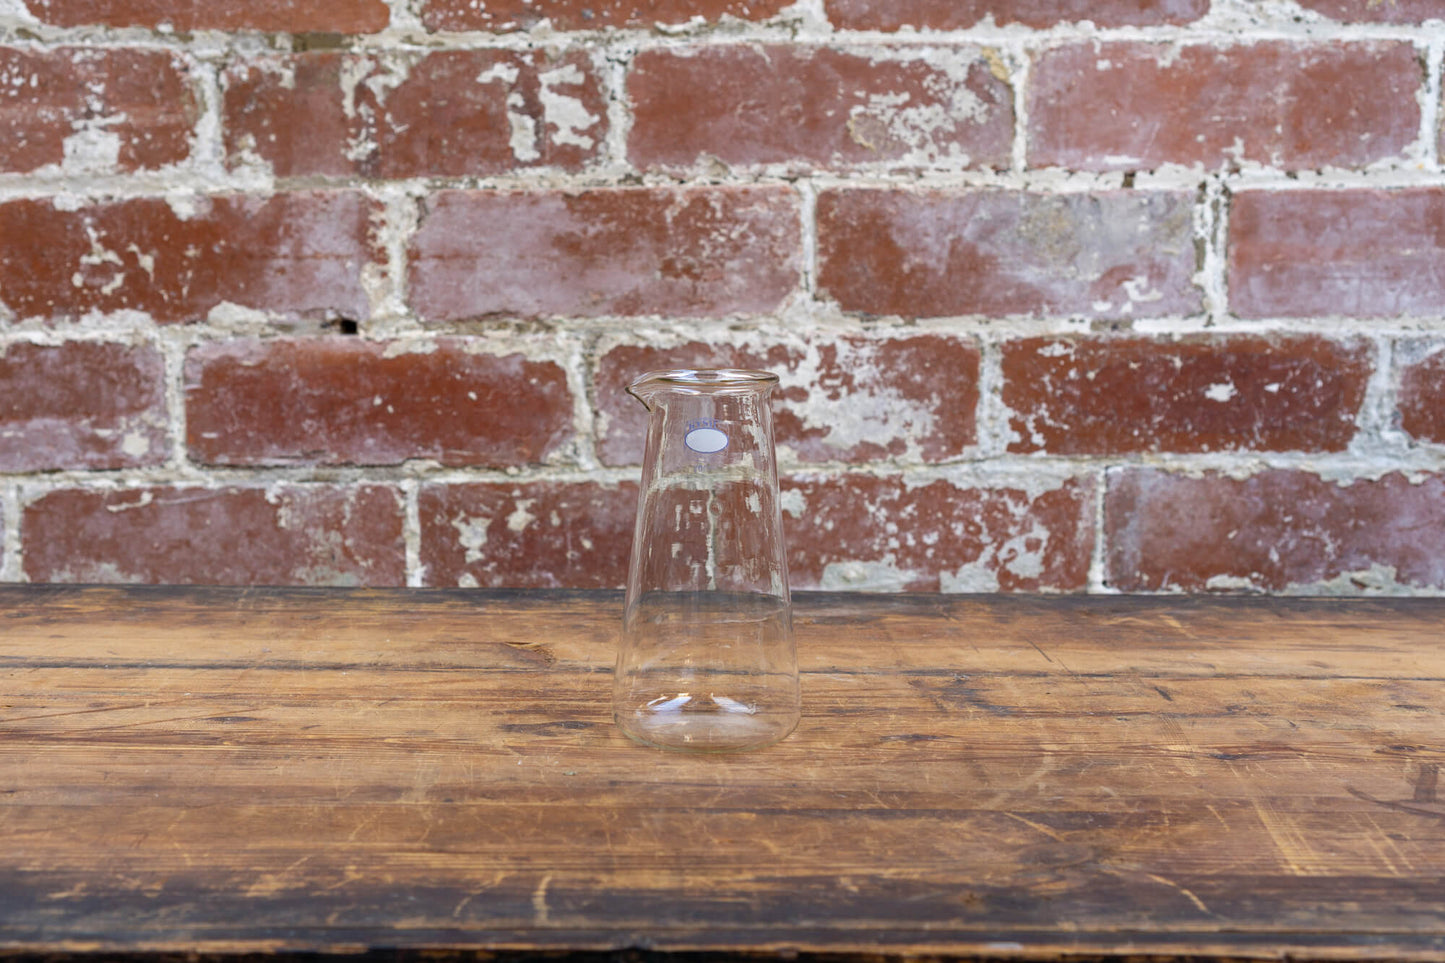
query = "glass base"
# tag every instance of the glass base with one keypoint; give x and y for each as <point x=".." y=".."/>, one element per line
<point x="693" y="725"/>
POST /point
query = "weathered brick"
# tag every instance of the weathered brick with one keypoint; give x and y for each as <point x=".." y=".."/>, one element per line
<point x="1377" y="11"/>
<point x="629" y="251"/>
<point x="282" y="535"/>
<point x="292" y="254"/>
<point x="505" y="16"/>
<point x="1130" y="105"/>
<point x="292" y="112"/>
<point x="1422" y="398"/>
<point x="842" y="398"/>
<point x="82" y="404"/>
<point x="1337" y="253"/>
<point x="886" y="532"/>
<point x="1277" y="531"/>
<point x="282" y="16"/>
<point x="335" y="401"/>
<point x="818" y="106"/>
<point x="449" y="113"/>
<point x="933" y="253"/>
<point x="541" y="534"/>
<point x="1100" y="396"/>
<point x="97" y="109"/>
<point x="960" y="14"/>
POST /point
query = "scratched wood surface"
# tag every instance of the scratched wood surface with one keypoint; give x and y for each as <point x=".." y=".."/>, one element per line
<point x="231" y="771"/>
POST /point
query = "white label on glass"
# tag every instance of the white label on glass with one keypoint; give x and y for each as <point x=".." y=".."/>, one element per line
<point x="705" y="440"/>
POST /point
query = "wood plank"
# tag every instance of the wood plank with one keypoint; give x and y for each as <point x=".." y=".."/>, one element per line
<point x="330" y="771"/>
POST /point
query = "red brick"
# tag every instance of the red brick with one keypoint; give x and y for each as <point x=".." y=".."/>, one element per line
<point x="1422" y="398"/>
<point x="1103" y="396"/>
<point x="281" y="16"/>
<point x="959" y="14"/>
<point x="504" y="16"/>
<point x="1343" y="253"/>
<point x="295" y="255"/>
<point x="527" y="535"/>
<point x="1288" y="105"/>
<point x="283" y="535"/>
<point x="628" y="251"/>
<point x="883" y="532"/>
<point x="1377" y="11"/>
<point x="378" y="116"/>
<point x="82" y="404"/>
<point x="932" y="253"/>
<point x="338" y="401"/>
<point x="139" y="105"/>
<point x="845" y="398"/>
<point x="291" y="112"/>
<point x="1273" y="532"/>
<point x="818" y="106"/>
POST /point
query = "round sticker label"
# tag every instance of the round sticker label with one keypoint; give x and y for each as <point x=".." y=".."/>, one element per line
<point x="705" y="440"/>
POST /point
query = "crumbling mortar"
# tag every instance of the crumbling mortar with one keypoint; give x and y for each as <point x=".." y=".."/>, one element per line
<point x="808" y="224"/>
<point x="1098" y="577"/>
<point x="1340" y="467"/>
<point x="805" y="22"/>
<point x="386" y="287"/>
<point x="532" y="337"/>
<point x="207" y="151"/>
<point x="405" y="19"/>
<point x="1018" y="60"/>
<point x="1377" y="436"/>
<point x="188" y="180"/>
<point x="808" y="20"/>
<point x="1331" y="327"/>
<point x="1432" y="105"/>
<point x="994" y="431"/>
<point x="1211" y="231"/>
<point x="411" y="532"/>
<point x="592" y="441"/>
<point x="12" y="568"/>
<point x="1034" y="473"/>
<point x="578" y="368"/>
<point x="131" y="334"/>
<point x="173" y="346"/>
<point x="617" y="62"/>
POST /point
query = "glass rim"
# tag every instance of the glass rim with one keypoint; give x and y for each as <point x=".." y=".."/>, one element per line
<point x="706" y="378"/>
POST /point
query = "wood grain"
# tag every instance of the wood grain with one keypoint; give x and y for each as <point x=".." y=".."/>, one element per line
<point x="265" y="770"/>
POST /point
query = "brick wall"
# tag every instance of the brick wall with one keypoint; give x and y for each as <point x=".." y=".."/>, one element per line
<point x="346" y="291"/>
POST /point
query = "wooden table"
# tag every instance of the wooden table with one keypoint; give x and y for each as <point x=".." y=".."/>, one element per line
<point x="227" y="771"/>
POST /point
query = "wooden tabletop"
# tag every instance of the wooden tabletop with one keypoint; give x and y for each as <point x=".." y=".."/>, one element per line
<point x="275" y="770"/>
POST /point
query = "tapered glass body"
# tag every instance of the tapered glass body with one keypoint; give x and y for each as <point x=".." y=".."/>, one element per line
<point x="707" y="661"/>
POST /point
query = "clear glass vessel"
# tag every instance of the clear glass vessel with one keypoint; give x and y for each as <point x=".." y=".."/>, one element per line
<point x="707" y="661"/>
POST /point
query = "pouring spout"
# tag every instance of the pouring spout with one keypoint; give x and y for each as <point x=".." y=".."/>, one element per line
<point x="644" y="390"/>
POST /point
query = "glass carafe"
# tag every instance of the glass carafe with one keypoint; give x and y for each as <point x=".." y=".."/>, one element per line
<point x="707" y="661"/>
